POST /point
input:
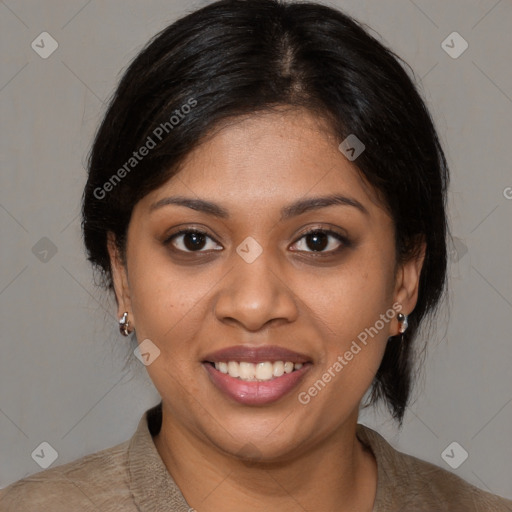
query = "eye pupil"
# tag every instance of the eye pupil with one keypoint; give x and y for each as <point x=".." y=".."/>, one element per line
<point x="320" y="241"/>
<point x="197" y="241"/>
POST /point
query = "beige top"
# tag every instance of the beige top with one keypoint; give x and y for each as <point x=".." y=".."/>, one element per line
<point x="132" y="477"/>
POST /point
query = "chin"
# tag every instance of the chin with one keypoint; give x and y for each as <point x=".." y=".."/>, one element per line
<point x="267" y="443"/>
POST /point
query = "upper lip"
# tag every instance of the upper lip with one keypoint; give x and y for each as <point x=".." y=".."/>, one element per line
<point x="259" y="354"/>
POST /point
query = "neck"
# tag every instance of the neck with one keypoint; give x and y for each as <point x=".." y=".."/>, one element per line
<point x="338" y="474"/>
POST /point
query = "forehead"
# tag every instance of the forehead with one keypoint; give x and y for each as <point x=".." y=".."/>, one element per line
<point x="266" y="160"/>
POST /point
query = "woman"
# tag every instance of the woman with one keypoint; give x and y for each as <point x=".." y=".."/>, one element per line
<point x="266" y="198"/>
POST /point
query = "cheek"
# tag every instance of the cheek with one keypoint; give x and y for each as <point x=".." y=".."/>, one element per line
<point x="352" y="305"/>
<point x="355" y="339"/>
<point x="353" y="298"/>
<point x="168" y="310"/>
<point x="166" y="300"/>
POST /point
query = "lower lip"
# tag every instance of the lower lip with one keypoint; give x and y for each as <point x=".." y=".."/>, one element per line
<point x="255" y="392"/>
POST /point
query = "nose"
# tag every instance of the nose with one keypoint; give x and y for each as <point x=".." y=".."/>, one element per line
<point x="255" y="295"/>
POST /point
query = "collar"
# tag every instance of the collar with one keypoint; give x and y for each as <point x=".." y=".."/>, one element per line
<point x="384" y="454"/>
<point x="152" y="486"/>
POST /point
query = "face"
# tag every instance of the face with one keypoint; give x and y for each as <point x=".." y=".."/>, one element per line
<point x="296" y="297"/>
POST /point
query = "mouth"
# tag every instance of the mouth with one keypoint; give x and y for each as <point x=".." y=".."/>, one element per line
<point x="256" y="375"/>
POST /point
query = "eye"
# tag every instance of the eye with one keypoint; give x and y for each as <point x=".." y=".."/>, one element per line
<point x="319" y="239"/>
<point x="191" y="240"/>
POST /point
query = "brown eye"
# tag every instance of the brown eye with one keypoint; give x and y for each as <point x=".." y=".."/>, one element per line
<point x="191" y="240"/>
<point x="318" y="240"/>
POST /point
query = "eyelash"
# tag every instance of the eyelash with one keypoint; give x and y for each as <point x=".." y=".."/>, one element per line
<point x="341" y="238"/>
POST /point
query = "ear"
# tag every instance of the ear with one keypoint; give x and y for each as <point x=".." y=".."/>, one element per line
<point x="119" y="278"/>
<point x="408" y="278"/>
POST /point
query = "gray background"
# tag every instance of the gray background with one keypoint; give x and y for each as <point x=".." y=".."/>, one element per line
<point x="61" y="364"/>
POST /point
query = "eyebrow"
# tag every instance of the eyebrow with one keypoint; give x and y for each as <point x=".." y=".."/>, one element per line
<point x="299" y="207"/>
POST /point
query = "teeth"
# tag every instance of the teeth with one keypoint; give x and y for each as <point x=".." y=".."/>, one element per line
<point x="278" y="369"/>
<point x="264" y="371"/>
<point x="247" y="371"/>
<point x="233" y="368"/>
<point x="260" y="371"/>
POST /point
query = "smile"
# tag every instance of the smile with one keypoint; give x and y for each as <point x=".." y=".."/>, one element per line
<point x="252" y="375"/>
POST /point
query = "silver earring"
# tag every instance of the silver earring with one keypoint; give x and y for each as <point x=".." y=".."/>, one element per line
<point x="124" y="324"/>
<point x="402" y="319"/>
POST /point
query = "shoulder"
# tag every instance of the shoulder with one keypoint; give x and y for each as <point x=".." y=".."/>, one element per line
<point x="409" y="483"/>
<point x="438" y="487"/>
<point x="97" y="481"/>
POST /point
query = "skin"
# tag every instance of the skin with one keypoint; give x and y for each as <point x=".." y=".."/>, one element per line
<point x="284" y="455"/>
